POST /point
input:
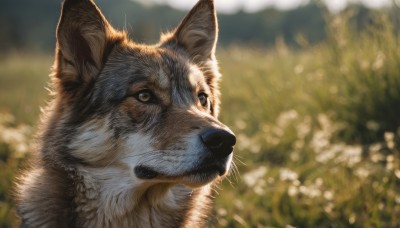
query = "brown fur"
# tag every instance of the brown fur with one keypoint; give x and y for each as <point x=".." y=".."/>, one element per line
<point x="106" y="158"/>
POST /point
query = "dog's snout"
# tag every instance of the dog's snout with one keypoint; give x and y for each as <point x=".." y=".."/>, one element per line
<point x="219" y="142"/>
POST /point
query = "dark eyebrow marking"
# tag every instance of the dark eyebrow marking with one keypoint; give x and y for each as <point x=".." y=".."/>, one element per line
<point x="136" y="80"/>
<point x="137" y="77"/>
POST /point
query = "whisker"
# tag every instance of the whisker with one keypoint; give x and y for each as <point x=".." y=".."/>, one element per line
<point x="235" y="172"/>
<point x="238" y="158"/>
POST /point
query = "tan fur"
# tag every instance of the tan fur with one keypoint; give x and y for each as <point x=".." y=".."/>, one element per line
<point x="106" y="158"/>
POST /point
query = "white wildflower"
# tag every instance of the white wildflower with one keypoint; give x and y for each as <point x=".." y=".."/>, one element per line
<point x="247" y="143"/>
<point x="352" y="219"/>
<point x="377" y="157"/>
<point x="397" y="199"/>
<point x="238" y="204"/>
<point x="259" y="188"/>
<point x="362" y="172"/>
<point x="329" y="207"/>
<point x="296" y="183"/>
<point x="389" y="138"/>
<point x="375" y="148"/>
<point x="287" y="175"/>
<point x="379" y="61"/>
<point x="222" y="212"/>
<point x="304" y="128"/>
<point x="285" y="118"/>
<point x="17" y="138"/>
<point x="12" y="135"/>
<point x="319" y="182"/>
<point x="319" y="141"/>
<point x="310" y="191"/>
<point x="390" y="158"/>
<point x="314" y="192"/>
<point x="373" y="125"/>
<point x="328" y="195"/>
<point x="293" y="191"/>
<point x="252" y="177"/>
<point x="278" y="131"/>
<point x="397" y="173"/>
<point x="272" y="140"/>
<point x="330" y="153"/>
<point x="325" y="123"/>
<point x="390" y="162"/>
<point x="351" y="155"/>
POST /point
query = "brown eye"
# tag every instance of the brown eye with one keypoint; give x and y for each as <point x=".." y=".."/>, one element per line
<point x="203" y="98"/>
<point x="145" y="96"/>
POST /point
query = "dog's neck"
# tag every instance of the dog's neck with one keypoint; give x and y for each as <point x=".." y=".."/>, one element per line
<point x="115" y="203"/>
<point x="51" y="199"/>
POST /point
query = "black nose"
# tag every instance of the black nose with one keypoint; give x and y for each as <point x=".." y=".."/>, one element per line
<point x="218" y="141"/>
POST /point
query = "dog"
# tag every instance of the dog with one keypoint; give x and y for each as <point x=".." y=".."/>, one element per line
<point x="131" y="137"/>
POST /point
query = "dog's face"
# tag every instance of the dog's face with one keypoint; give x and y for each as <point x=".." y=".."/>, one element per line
<point x="143" y="113"/>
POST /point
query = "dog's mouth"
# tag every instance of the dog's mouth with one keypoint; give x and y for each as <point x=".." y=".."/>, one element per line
<point x="199" y="175"/>
<point x="219" y="169"/>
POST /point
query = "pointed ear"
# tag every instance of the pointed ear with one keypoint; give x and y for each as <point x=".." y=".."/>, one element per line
<point x="198" y="32"/>
<point x="84" y="39"/>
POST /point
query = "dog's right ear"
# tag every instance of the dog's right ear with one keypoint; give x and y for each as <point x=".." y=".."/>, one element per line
<point x="198" y="32"/>
<point x="84" y="39"/>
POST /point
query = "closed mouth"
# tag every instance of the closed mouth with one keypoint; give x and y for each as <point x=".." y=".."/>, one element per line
<point x="209" y="169"/>
<point x="147" y="173"/>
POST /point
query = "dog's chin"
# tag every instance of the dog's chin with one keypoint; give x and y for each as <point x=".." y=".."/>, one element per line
<point x="196" y="177"/>
<point x="199" y="180"/>
<point x="203" y="175"/>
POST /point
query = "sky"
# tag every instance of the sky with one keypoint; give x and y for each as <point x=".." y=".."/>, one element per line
<point x="231" y="6"/>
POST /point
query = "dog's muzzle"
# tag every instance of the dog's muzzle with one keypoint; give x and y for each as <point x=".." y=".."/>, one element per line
<point x="218" y="144"/>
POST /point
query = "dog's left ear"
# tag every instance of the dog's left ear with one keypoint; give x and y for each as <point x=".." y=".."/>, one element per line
<point x="198" y="32"/>
<point x="84" y="40"/>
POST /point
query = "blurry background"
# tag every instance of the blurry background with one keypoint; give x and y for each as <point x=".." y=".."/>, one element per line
<point x="311" y="88"/>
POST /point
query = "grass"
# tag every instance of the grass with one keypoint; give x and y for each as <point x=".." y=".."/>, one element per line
<point x="318" y="130"/>
<point x="23" y="79"/>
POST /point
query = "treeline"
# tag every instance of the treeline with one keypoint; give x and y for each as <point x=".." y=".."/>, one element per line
<point x="27" y="24"/>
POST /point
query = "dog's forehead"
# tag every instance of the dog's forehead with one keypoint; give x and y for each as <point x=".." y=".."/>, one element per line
<point x="179" y="70"/>
<point x="166" y="69"/>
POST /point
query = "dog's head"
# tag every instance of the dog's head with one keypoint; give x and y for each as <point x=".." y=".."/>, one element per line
<point x="149" y="113"/>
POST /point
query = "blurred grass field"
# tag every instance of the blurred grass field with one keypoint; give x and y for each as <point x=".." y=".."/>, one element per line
<point x="318" y="129"/>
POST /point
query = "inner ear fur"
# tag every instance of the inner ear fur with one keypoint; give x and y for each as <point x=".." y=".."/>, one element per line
<point x="84" y="40"/>
<point x="198" y="32"/>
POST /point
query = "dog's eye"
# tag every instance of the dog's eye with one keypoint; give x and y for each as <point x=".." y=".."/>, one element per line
<point x="203" y="98"/>
<point x="145" y="96"/>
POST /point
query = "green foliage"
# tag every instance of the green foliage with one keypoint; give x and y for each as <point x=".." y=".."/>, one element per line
<point x="14" y="147"/>
<point x="23" y="81"/>
<point x="318" y="129"/>
<point x="365" y="66"/>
